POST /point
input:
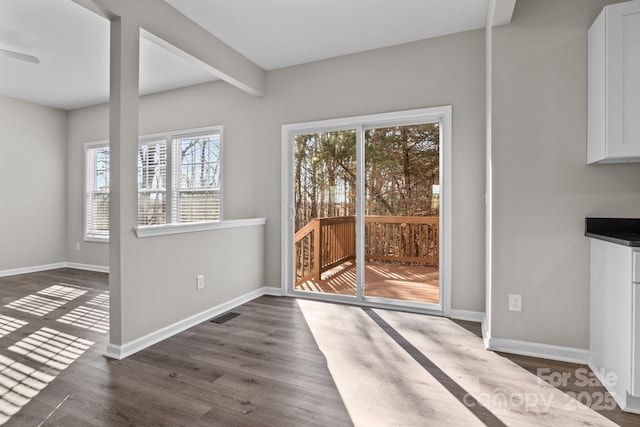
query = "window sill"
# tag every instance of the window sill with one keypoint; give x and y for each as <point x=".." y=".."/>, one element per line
<point x="162" y="230"/>
<point x="98" y="239"/>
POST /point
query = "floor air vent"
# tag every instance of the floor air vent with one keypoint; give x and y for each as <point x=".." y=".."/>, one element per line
<point x="224" y="317"/>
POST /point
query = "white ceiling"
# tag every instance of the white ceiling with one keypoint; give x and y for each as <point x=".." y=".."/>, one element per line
<point x="72" y="43"/>
<point x="280" y="33"/>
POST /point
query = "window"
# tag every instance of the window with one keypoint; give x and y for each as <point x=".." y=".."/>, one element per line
<point x="179" y="180"/>
<point x="152" y="182"/>
<point x="198" y="178"/>
<point x="97" y="191"/>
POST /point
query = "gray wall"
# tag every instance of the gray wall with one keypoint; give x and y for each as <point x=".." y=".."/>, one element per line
<point x="159" y="289"/>
<point x="442" y="71"/>
<point x="543" y="188"/>
<point x="32" y="177"/>
<point x="85" y="125"/>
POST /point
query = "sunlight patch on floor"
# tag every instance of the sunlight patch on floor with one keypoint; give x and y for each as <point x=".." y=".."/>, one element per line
<point x="46" y="300"/>
<point x="38" y="358"/>
<point x="19" y="384"/>
<point x="36" y="305"/>
<point x="395" y="368"/>
<point x="64" y="292"/>
<point x="87" y="318"/>
<point x="9" y="324"/>
<point x="102" y="300"/>
<point x="52" y="348"/>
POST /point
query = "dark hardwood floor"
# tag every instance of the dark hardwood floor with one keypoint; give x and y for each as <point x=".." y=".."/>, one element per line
<point x="280" y="362"/>
<point x="260" y="368"/>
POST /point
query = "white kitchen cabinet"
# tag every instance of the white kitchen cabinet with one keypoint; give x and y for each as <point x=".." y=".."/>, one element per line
<point x="614" y="85"/>
<point x="614" y="338"/>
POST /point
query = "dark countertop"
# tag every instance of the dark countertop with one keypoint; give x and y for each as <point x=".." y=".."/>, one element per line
<point x="623" y="231"/>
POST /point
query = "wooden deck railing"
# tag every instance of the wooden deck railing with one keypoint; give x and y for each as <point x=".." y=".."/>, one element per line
<point x="327" y="242"/>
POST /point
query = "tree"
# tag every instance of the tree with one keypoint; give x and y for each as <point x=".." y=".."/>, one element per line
<point x="402" y="166"/>
<point x="401" y="169"/>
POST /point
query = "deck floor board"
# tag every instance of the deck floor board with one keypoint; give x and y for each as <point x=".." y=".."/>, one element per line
<point x="383" y="280"/>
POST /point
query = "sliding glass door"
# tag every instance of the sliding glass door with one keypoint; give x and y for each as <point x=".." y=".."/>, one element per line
<point x="401" y="212"/>
<point x="364" y="209"/>
<point x="324" y="197"/>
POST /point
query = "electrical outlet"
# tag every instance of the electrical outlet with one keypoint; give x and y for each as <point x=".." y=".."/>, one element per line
<point x="515" y="302"/>
<point x="77" y="246"/>
<point x="199" y="281"/>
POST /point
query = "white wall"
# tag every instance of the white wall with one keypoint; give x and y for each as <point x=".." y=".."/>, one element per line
<point x="32" y="183"/>
<point x="543" y="188"/>
<point x="442" y="71"/>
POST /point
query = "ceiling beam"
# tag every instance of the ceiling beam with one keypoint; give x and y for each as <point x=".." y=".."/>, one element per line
<point x="500" y="12"/>
<point x="169" y="28"/>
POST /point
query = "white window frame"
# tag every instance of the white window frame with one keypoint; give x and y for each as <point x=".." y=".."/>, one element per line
<point x="175" y="189"/>
<point x="90" y="236"/>
<point x="168" y="227"/>
<point x="442" y="115"/>
<point x="176" y="227"/>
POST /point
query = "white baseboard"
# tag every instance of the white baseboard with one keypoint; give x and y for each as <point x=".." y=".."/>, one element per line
<point x="45" y="267"/>
<point x="273" y="291"/>
<point x="121" y="351"/>
<point x="625" y="401"/>
<point x="89" y="267"/>
<point x="33" y="269"/>
<point x="471" y="316"/>
<point x="486" y="337"/>
<point x="545" y="351"/>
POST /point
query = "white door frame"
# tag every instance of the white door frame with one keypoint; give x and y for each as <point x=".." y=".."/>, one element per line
<point x="441" y="115"/>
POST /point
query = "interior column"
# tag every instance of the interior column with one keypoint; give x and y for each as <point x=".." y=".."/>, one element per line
<point x="123" y="140"/>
